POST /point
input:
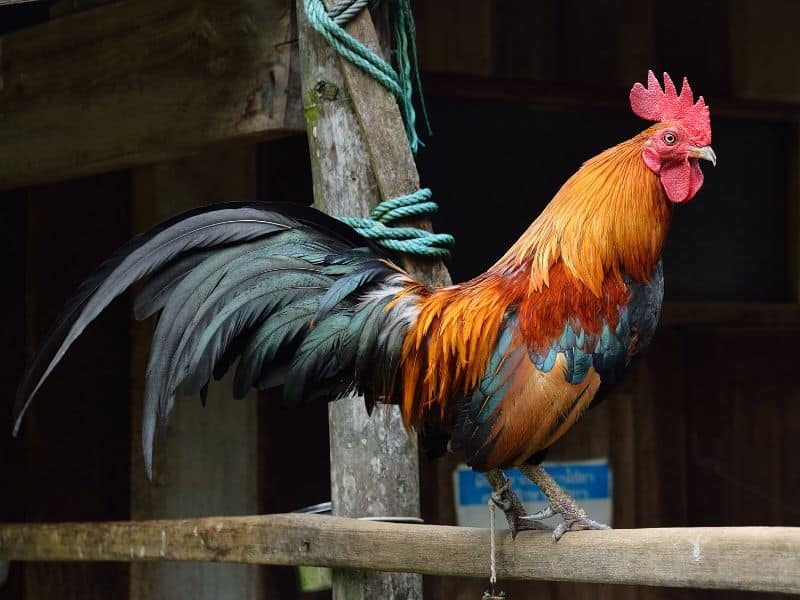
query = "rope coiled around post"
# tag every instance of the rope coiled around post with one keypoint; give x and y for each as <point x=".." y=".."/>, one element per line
<point x="328" y="24"/>
<point x="409" y="240"/>
<point x="345" y="11"/>
<point x="377" y="227"/>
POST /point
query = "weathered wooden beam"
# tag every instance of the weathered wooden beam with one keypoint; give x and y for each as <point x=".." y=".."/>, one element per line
<point x="142" y="81"/>
<point x="360" y="156"/>
<point x="743" y="558"/>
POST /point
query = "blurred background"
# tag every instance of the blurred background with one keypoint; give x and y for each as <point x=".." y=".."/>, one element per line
<point x="704" y="431"/>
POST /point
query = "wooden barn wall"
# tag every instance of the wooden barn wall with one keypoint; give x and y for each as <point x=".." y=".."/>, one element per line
<point x="71" y="461"/>
<point x="697" y="433"/>
<point x="206" y="461"/>
<point x="14" y="217"/>
<point x="743" y="49"/>
<point x="701" y="432"/>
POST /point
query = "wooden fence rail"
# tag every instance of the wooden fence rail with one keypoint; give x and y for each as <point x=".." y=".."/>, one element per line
<point x="744" y="558"/>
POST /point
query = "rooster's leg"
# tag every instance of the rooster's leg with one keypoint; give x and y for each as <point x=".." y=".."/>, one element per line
<point x="507" y="501"/>
<point x="561" y="503"/>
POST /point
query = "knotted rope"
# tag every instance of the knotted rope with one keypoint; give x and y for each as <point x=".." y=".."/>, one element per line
<point x="409" y="240"/>
<point x="377" y="227"/>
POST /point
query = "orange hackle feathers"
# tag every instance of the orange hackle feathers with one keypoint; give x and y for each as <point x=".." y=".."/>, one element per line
<point x="610" y="216"/>
<point x="446" y="350"/>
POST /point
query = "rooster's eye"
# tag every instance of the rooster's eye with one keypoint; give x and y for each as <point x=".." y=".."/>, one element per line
<point x="669" y="138"/>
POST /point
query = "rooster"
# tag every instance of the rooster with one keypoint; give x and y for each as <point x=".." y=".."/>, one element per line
<point x="496" y="369"/>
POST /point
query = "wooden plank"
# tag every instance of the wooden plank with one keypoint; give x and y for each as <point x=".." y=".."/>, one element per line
<point x="62" y="8"/>
<point x="525" y="39"/>
<point x="705" y="58"/>
<point x="732" y="314"/>
<point x="740" y="470"/>
<point x="165" y="79"/>
<point x="72" y="228"/>
<point x="793" y="216"/>
<point x="588" y="58"/>
<point x="635" y="46"/>
<point x="14" y="214"/>
<point x="455" y="36"/>
<point x="744" y="558"/>
<point x="527" y="92"/>
<point x="764" y="50"/>
<point x="207" y="463"/>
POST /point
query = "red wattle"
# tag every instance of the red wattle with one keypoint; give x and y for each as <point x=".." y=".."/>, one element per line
<point x="681" y="180"/>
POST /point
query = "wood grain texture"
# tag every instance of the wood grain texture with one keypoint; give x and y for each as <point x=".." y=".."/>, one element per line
<point x="740" y="314"/>
<point x="387" y="144"/>
<point x="747" y="558"/>
<point x="207" y="461"/>
<point x="524" y="39"/>
<point x="360" y="156"/>
<point x="345" y="184"/>
<point x="579" y="95"/>
<point x="75" y="461"/>
<point x="165" y="79"/>
<point x="763" y="43"/>
<point x="455" y="35"/>
<point x="793" y="216"/>
<point x="62" y="8"/>
<point x="14" y="212"/>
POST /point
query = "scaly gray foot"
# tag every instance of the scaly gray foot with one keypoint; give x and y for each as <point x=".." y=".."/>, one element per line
<point x="561" y="503"/>
<point x="506" y="500"/>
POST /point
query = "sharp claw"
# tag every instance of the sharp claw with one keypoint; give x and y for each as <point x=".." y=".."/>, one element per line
<point x="579" y="524"/>
<point x="545" y="513"/>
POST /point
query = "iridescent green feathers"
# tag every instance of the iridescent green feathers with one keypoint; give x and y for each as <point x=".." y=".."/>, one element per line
<point x="273" y="288"/>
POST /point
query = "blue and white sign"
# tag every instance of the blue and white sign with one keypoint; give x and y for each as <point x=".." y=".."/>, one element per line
<point x="589" y="482"/>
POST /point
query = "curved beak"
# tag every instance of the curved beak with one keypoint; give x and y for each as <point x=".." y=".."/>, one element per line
<point x="706" y="153"/>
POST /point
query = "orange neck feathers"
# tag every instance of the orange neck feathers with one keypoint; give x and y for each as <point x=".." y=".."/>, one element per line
<point x="611" y="215"/>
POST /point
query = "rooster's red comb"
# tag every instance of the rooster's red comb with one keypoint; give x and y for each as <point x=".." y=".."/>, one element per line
<point x="655" y="104"/>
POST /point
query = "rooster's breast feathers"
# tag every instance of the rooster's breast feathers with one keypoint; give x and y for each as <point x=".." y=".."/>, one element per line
<point x="550" y="352"/>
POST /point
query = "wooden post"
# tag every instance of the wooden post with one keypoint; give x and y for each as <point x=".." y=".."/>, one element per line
<point x="360" y="156"/>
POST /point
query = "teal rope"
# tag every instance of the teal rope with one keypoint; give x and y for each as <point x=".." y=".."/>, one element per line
<point x="357" y="53"/>
<point x="409" y="240"/>
<point x="406" y="35"/>
<point x="377" y="227"/>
